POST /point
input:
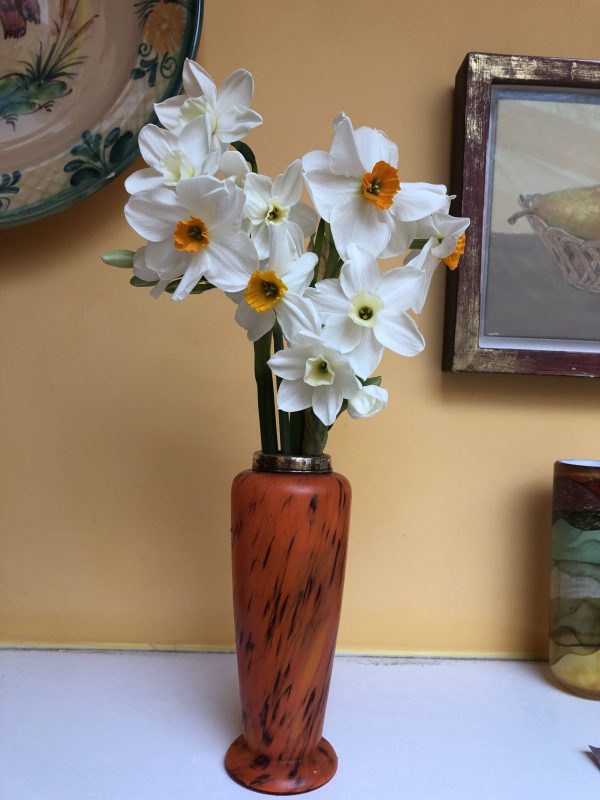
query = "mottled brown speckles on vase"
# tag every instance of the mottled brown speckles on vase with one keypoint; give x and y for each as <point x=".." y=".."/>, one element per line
<point x="289" y="539"/>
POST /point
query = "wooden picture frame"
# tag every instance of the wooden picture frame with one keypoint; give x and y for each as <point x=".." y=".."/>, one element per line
<point x="513" y="289"/>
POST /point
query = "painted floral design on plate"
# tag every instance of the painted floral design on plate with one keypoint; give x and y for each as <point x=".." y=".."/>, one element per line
<point x="78" y="80"/>
<point x="50" y="68"/>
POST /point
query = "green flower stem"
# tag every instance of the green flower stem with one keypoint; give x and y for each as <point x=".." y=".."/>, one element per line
<point x="296" y="432"/>
<point x="321" y="248"/>
<point x="247" y="153"/>
<point x="334" y="262"/>
<point x="266" y="399"/>
<point x="284" y="417"/>
<point x="318" y="245"/>
<point x="419" y="244"/>
<point x="315" y="434"/>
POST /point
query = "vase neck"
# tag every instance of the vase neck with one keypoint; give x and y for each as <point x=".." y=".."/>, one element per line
<point x="276" y="462"/>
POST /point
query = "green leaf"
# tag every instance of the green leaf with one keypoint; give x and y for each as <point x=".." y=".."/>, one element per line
<point x="418" y="244"/>
<point x="374" y="381"/>
<point x="247" y="153"/>
<point x="199" y="288"/>
<point x="118" y="258"/>
<point x="139" y="282"/>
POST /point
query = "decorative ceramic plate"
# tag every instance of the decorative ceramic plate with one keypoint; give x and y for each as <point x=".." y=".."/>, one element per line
<point x="78" y="79"/>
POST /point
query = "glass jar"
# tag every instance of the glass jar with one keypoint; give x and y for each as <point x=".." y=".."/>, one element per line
<point x="575" y="577"/>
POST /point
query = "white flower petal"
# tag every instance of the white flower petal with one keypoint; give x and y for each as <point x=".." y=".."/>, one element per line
<point x="236" y="123"/>
<point x="369" y="400"/>
<point x="298" y="274"/>
<point x="234" y="165"/>
<point x="155" y="143"/>
<point x="344" y="158"/>
<point x="258" y="191"/>
<point x="401" y="287"/>
<point x="192" y="276"/>
<point x="316" y="161"/>
<point x="437" y="188"/>
<point x="326" y="402"/>
<point x="399" y="334"/>
<point x="294" y="395"/>
<point x="140" y="268"/>
<point x="327" y="191"/>
<point x="232" y="261"/>
<point x="429" y="268"/>
<point x="254" y="322"/>
<point x="281" y="248"/>
<point x="295" y="314"/>
<point x="329" y="297"/>
<point x="360" y="272"/>
<point x="413" y="202"/>
<point x="143" y="180"/>
<point x="374" y="146"/>
<point x="367" y="355"/>
<point x="154" y="214"/>
<point x="359" y="221"/>
<point x="199" y="194"/>
<point x="236" y="90"/>
<point x="341" y="333"/>
<point x="197" y="82"/>
<point x="287" y="187"/>
<point x="304" y="216"/>
<point x="402" y="235"/>
<point x="195" y="139"/>
<point x="165" y="260"/>
<point x="290" y="363"/>
<point x="168" y="112"/>
<point x="159" y="289"/>
<point x="260" y="238"/>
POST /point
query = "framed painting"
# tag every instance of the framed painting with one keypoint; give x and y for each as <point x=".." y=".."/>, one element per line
<point x="526" y="297"/>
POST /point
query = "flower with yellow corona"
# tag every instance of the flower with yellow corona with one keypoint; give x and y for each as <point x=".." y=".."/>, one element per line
<point x="365" y="310"/>
<point x="172" y="158"/>
<point x="194" y="233"/>
<point x="276" y="203"/>
<point x="275" y="292"/>
<point x="446" y="244"/>
<point x="226" y="108"/>
<point x="356" y="187"/>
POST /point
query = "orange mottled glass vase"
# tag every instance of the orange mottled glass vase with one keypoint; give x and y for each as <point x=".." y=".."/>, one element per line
<point x="289" y="529"/>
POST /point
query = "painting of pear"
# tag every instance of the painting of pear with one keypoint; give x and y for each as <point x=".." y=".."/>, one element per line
<point x="575" y="211"/>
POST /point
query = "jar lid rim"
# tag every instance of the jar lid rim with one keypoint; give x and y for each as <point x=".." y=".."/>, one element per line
<point x="277" y="462"/>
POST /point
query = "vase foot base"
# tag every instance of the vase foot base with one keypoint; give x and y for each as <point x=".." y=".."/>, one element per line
<point x="258" y="772"/>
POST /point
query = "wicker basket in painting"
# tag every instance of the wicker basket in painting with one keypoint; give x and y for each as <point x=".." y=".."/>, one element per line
<point x="578" y="260"/>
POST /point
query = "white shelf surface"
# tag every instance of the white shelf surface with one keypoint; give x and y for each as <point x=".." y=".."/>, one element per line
<point x="155" y="726"/>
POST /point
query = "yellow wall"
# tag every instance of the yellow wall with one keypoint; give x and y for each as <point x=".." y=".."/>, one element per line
<point x="124" y="419"/>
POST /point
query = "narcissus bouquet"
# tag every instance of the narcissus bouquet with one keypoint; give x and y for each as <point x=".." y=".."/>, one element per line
<point x="307" y="286"/>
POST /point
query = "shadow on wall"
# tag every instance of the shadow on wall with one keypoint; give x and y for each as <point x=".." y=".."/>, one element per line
<point x="533" y="571"/>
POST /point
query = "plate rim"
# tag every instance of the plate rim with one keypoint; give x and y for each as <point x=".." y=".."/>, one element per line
<point x="47" y="207"/>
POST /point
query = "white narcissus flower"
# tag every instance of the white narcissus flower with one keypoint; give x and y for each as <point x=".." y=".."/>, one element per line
<point x="313" y="375"/>
<point x="365" y="310"/>
<point x="357" y="189"/>
<point x="227" y="108"/>
<point x="368" y="401"/>
<point x="276" y="203"/>
<point x="194" y="232"/>
<point x="446" y="235"/>
<point x="275" y="291"/>
<point x="173" y="158"/>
